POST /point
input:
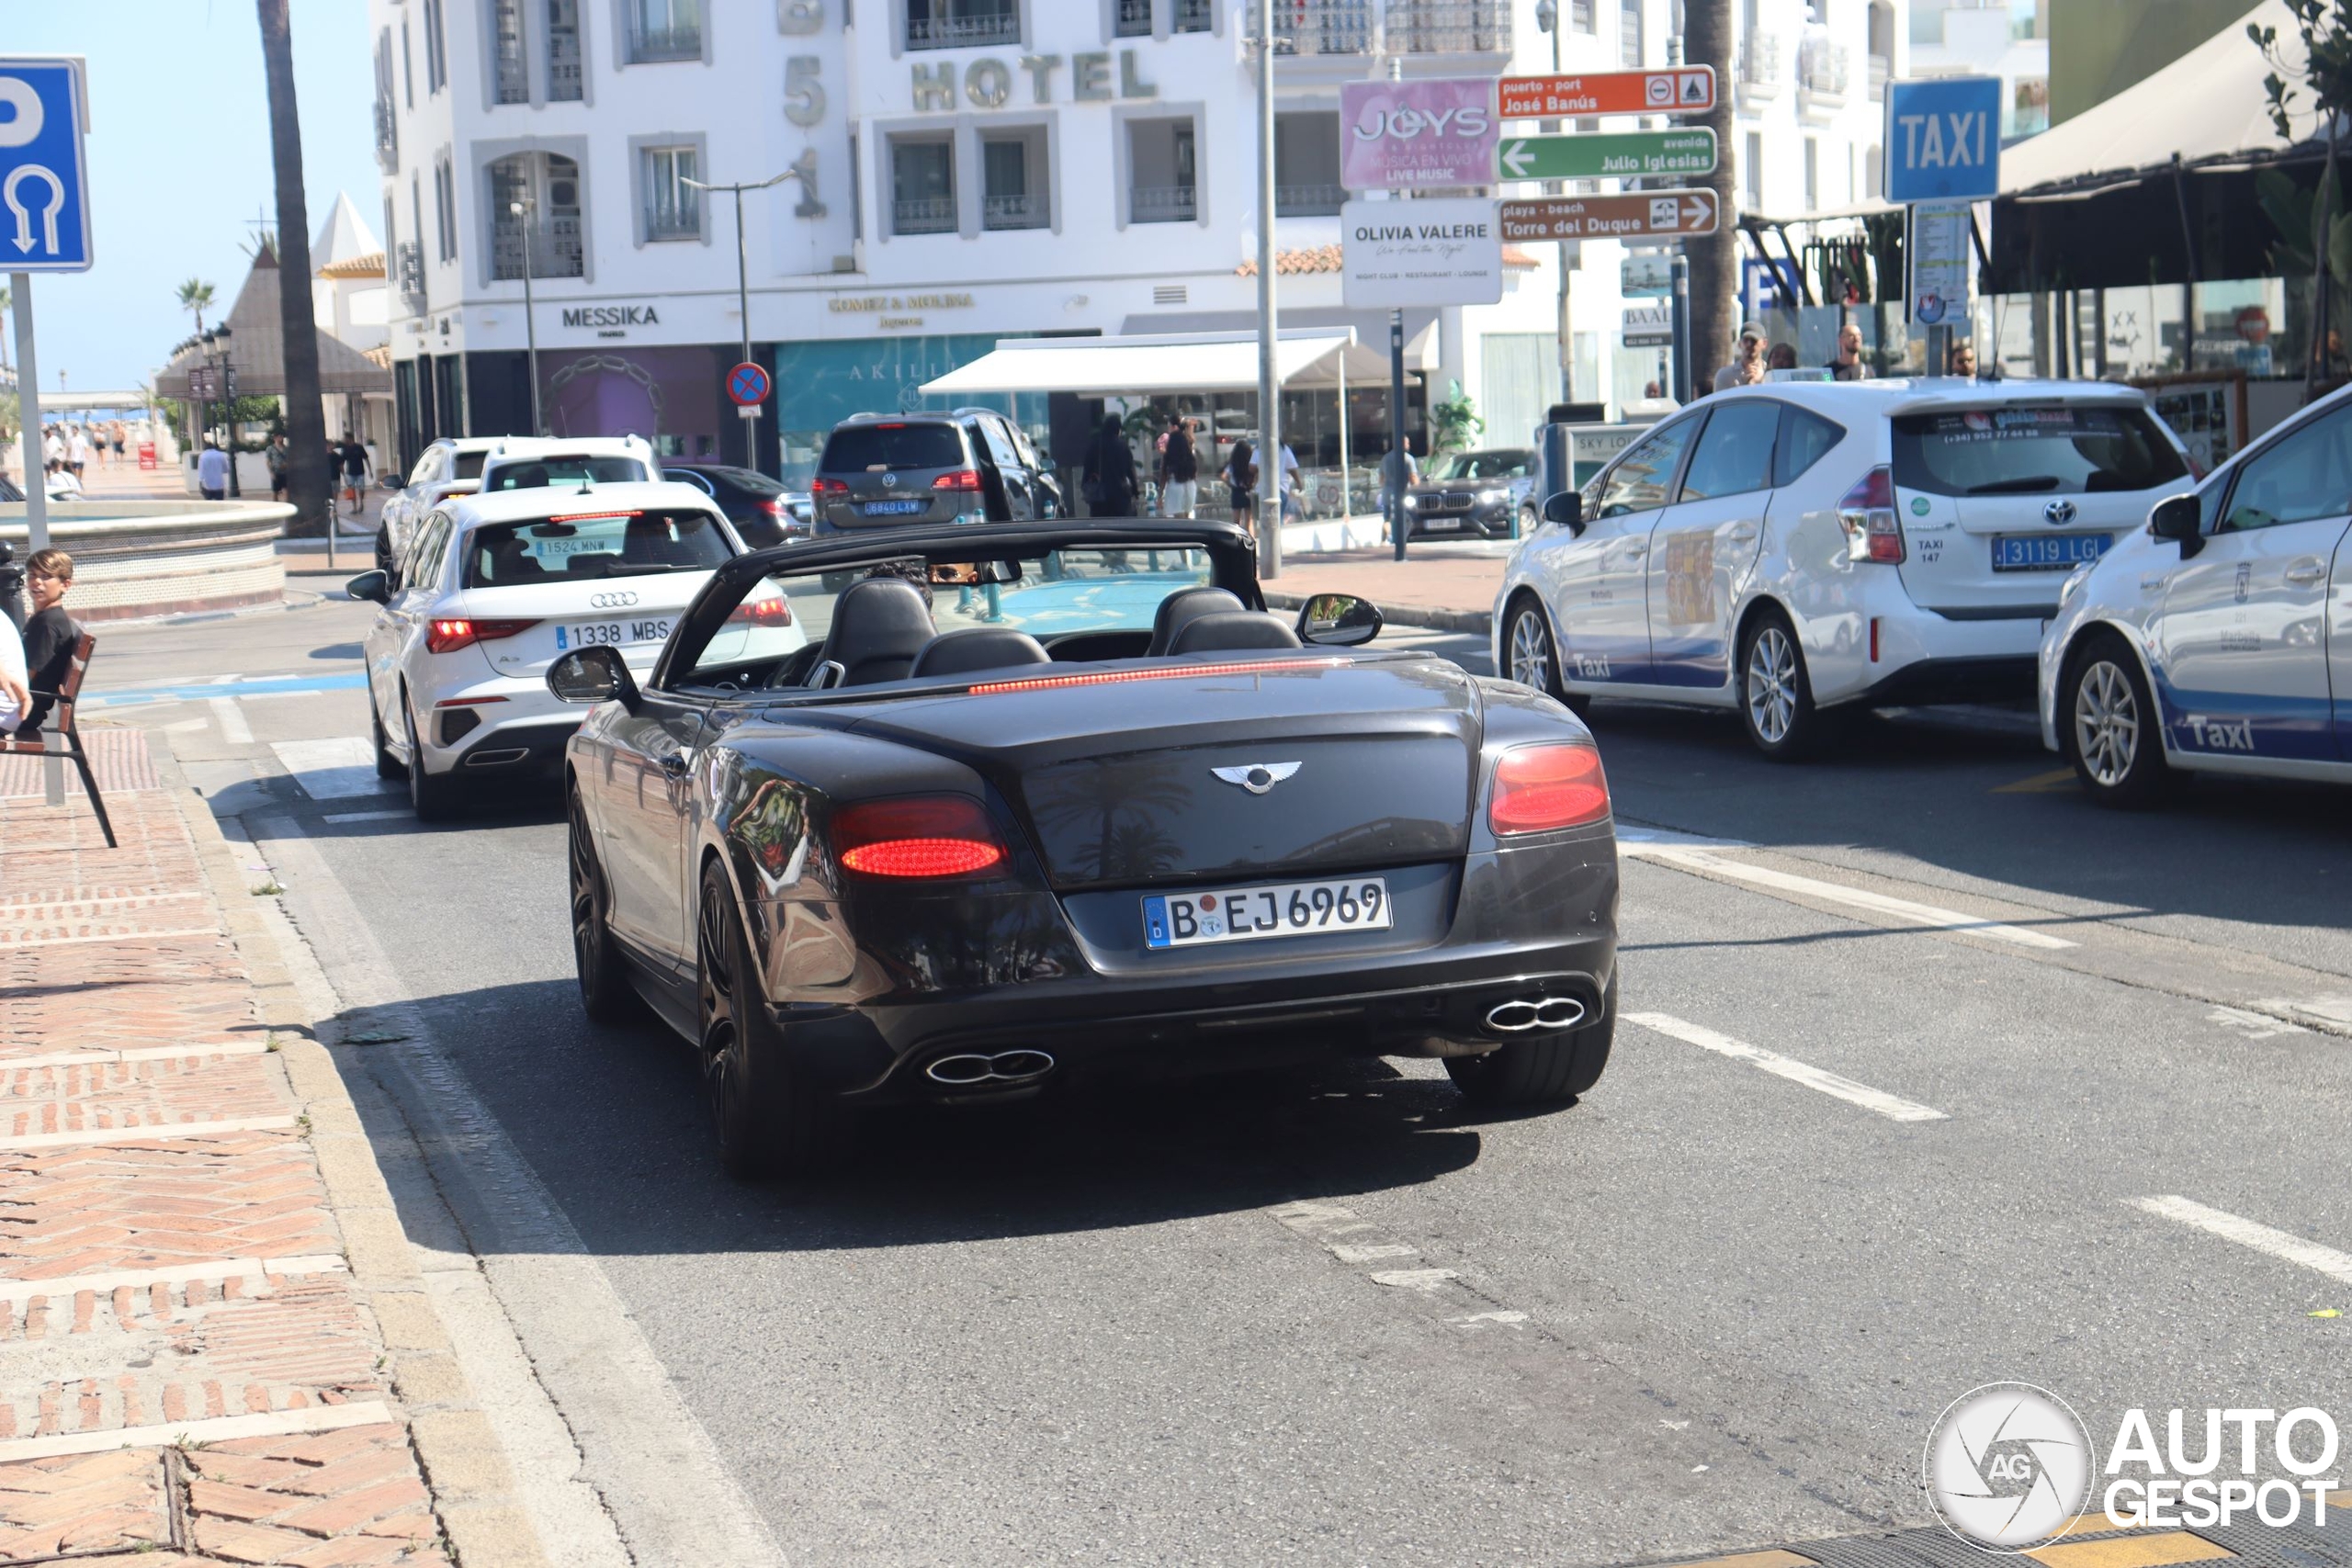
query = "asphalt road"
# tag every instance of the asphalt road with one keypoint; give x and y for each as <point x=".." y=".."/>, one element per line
<point x="1715" y="1306"/>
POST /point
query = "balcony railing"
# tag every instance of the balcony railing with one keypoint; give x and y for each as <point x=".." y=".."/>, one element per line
<point x="648" y="46"/>
<point x="1822" y="69"/>
<point x="1388" y="27"/>
<point x="1196" y="16"/>
<point x="1133" y="19"/>
<point x="1014" y="212"/>
<point x="960" y="32"/>
<point x="1164" y="204"/>
<point x="924" y="215"/>
<point x="1309" y="201"/>
<point x="388" y="135"/>
<point x="408" y="275"/>
<point x="555" y="249"/>
<point x="670" y="222"/>
<point x="1881" y="69"/>
<point x="564" y="83"/>
<point x="1759" y="65"/>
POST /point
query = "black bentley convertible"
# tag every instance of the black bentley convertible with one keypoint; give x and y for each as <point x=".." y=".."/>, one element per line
<point x="958" y="814"/>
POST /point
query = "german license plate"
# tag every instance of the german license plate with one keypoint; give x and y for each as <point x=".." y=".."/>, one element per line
<point x="610" y="634"/>
<point x="2047" y="552"/>
<point x="1250" y="914"/>
<point x="894" y="508"/>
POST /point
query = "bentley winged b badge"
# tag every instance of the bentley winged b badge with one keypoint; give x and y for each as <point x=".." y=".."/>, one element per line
<point x="1257" y="777"/>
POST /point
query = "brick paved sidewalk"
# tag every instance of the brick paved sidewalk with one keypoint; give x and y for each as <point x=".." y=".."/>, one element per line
<point x="193" y="1356"/>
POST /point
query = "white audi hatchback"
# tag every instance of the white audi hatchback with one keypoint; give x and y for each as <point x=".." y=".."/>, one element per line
<point x="1796" y="547"/>
<point x="496" y="587"/>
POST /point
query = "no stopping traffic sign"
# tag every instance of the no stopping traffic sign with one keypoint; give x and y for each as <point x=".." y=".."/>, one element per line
<point x="747" y="385"/>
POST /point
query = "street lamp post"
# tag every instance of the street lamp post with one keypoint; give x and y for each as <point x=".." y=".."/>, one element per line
<point x="520" y="212"/>
<point x="1270" y="391"/>
<point x="744" y="288"/>
<point x="1547" y="18"/>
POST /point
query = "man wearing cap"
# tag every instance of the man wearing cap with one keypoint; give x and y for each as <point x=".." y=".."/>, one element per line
<point x="1747" y="370"/>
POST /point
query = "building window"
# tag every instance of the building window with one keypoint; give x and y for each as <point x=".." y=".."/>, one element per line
<point x="565" y="83"/>
<point x="408" y="69"/>
<point x="664" y="30"/>
<point x="856" y="191"/>
<point x="1012" y="180"/>
<point x="673" y="208"/>
<point x="1812" y="173"/>
<point x="1751" y="173"/>
<point x="445" y="209"/>
<point x="1629" y="33"/>
<point x="1194" y="16"/>
<point x="1162" y="172"/>
<point x="534" y="217"/>
<point x="436" y="50"/>
<point x="388" y="128"/>
<point x="923" y="185"/>
<point x="1581" y="16"/>
<point x="1131" y="18"/>
<point x="510" y="79"/>
<point x="1306" y="164"/>
<point x="953" y="24"/>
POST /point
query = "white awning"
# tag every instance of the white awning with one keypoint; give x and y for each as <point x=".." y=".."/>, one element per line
<point x="1140" y="366"/>
<point x="2208" y="107"/>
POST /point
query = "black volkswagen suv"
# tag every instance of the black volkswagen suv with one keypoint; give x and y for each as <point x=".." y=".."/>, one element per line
<point x="971" y="466"/>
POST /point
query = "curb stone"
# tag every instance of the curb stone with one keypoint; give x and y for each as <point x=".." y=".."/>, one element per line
<point x="473" y="1486"/>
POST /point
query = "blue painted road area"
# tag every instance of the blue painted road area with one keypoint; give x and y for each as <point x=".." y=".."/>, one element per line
<point x="261" y="686"/>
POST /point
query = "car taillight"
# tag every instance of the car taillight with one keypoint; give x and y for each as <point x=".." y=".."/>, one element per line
<point x="447" y="637"/>
<point x="775" y="612"/>
<point x="772" y="506"/>
<point x="828" y="487"/>
<point x="1873" y="532"/>
<point x="924" y="835"/>
<point x="961" y="478"/>
<point x="1540" y="788"/>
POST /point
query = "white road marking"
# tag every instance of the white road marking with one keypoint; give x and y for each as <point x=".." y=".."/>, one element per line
<point x="219" y="1429"/>
<point x="1892" y="1107"/>
<point x="183" y="727"/>
<point x="2337" y="1265"/>
<point x="1630" y="833"/>
<point x="231" y="720"/>
<point x="1924" y="915"/>
<point x="1503" y="1318"/>
<point x="2253" y="1025"/>
<point x="1347" y="1253"/>
<point x="160" y="1132"/>
<point x="339" y="817"/>
<point x="1414" y="1279"/>
<point x="13" y="1291"/>
<point x="338" y="769"/>
<point x="2332" y="1013"/>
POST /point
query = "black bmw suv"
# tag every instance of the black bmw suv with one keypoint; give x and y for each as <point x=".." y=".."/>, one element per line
<point x="971" y="466"/>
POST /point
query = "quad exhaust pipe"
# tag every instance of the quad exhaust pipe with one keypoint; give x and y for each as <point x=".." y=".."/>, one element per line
<point x="1524" y="1014"/>
<point x="973" y="1069"/>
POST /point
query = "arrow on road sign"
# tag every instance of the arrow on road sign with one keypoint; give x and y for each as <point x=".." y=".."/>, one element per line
<point x="1669" y="214"/>
<point x="44" y="178"/>
<point x="25" y="215"/>
<point x="1640" y="154"/>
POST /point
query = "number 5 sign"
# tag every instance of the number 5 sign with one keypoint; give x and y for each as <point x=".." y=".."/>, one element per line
<point x="44" y="189"/>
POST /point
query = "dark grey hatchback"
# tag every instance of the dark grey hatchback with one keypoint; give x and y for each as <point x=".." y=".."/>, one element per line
<point x="888" y="470"/>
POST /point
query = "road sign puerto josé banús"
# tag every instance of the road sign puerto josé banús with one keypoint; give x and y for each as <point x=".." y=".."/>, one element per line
<point x="44" y="190"/>
<point x="1666" y="213"/>
<point x="1640" y="154"/>
<point x="1689" y="89"/>
<point x="747" y="385"/>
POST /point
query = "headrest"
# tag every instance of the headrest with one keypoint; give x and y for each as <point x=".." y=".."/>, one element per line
<point x="979" y="648"/>
<point x="1184" y="605"/>
<point x="1216" y="634"/>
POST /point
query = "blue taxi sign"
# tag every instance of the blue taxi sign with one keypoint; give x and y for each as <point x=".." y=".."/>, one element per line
<point x="1943" y="139"/>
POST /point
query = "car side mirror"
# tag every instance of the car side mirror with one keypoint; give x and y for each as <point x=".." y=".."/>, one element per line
<point x="588" y="675"/>
<point x="376" y="587"/>
<point x="1565" y="508"/>
<point x="2179" y="518"/>
<point x="1339" y="620"/>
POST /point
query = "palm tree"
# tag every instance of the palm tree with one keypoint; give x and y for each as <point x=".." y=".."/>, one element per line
<point x="307" y="479"/>
<point x="1707" y="40"/>
<point x="196" y="295"/>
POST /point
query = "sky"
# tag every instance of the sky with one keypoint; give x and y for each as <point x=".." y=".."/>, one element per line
<point x="179" y="162"/>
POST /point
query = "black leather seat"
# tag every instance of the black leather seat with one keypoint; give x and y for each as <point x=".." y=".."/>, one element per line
<point x="880" y="624"/>
<point x="1244" y="629"/>
<point x="979" y="648"/>
<point x="1185" y="606"/>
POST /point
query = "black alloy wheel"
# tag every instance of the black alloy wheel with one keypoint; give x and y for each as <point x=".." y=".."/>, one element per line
<point x="605" y="993"/>
<point x="1549" y="1070"/>
<point x="434" y="799"/>
<point x="767" y="1124"/>
<point x="387" y="766"/>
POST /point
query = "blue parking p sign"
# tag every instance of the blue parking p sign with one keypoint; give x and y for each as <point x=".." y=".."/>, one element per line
<point x="1943" y="139"/>
<point x="44" y="190"/>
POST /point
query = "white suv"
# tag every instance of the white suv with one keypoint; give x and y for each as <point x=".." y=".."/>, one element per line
<point x="1786" y="549"/>
<point x="542" y="460"/>
<point x="494" y="589"/>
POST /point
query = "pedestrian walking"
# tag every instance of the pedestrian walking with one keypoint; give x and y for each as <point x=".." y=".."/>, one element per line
<point x="52" y="445"/>
<point x="1747" y="370"/>
<point x="1241" y="483"/>
<point x="278" y="456"/>
<point x="1180" y="491"/>
<point x="117" y="435"/>
<point x="212" y="473"/>
<point x="61" y="484"/>
<point x="1109" y="477"/>
<point x="1783" y="357"/>
<point x="356" y="467"/>
<point x="50" y="635"/>
<point x="1398" y="473"/>
<point x="1849" y="365"/>
<point x="78" y="451"/>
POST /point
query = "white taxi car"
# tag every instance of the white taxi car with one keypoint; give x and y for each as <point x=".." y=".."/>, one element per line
<point x="1792" y="548"/>
<point x="2219" y="638"/>
<point x="494" y="589"/>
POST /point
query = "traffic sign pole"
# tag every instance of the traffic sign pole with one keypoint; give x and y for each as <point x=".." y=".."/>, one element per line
<point x="20" y="285"/>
